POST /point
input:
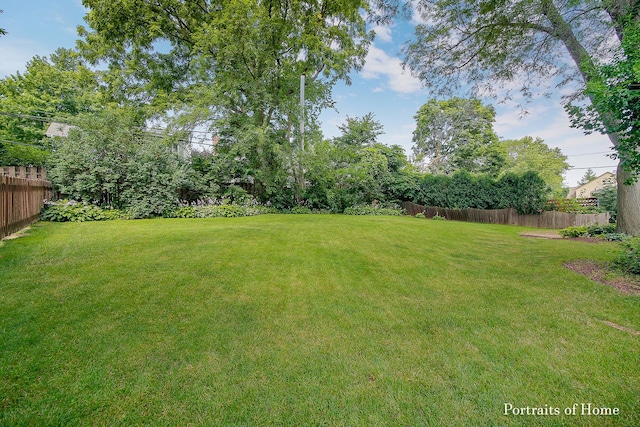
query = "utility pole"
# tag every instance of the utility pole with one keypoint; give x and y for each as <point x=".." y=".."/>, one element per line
<point x="301" y="172"/>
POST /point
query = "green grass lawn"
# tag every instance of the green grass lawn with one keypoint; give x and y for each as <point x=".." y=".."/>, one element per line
<point x="308" y="320"/>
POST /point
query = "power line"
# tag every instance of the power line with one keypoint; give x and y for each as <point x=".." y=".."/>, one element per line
<point x="595" y="167"/>
<point x="587" y="154"/>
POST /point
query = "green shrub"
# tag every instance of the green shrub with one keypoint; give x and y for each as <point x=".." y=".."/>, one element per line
<point x="629" y="258"/>
<point x="420" y="215"/>
<point x="181" y="212"/>
<point x="373" y="210"/>
<point x="300" y="210"/>
<point x="229" y="211"/>
<point x="72" y="211"/>
<point x="439" y="218"/>
<point x="615" y="237"/>
<point x="597" y="230"/>
<point x="574" y="232"/>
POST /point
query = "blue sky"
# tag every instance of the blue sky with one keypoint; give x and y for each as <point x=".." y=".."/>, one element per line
<point x="382" y="87"/>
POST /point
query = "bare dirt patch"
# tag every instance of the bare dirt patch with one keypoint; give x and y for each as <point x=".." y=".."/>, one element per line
<point x="602" y="273"/>
<point x="543" y="234"/>
<point x="554" y="234"/>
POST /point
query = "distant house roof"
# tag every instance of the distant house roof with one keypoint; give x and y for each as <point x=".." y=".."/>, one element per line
<point x="605" y="180"/>
<point x="59" y="129"/>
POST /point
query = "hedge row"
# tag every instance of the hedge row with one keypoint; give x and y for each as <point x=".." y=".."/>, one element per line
<point x="526" y="193"/>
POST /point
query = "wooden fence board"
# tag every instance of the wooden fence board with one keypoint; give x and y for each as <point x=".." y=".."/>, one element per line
<point x="547" y="219"/>
<point x="21" y="201"/>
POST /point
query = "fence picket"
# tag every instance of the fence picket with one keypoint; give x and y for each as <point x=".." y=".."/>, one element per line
<point x="21" y="201"/>
<point x="549" y="219"/>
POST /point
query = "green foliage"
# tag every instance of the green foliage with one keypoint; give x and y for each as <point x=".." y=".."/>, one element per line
<point x="355" y="168"/>
<point x="229" y="211"/>
<point x="300" y="210"/>
<point x="181" y="212"/>
<point x="234" y="67"/>
<point x="438" y="218"/>
<point x="57" y="88"/>
<point x="588" y="176"/>
<point x="598" y="230"/>
<point x="373" y="210"/>
<point x="70" y="210"/>
<point x="419" y="215"/>
<point x="580" y="231"/>
<point x="608" y="200"/>
<point x="612" y="88"/>
<point x="629" y="258"/>
<point x="528" y="154"/>
<point x="604" y="232"/>
<point x="526" y="193"/>
<point x="3" y="32"/>
<point x="457" y="134"/>
<point x="568" y="206"/>
<point x="109" y="161"/>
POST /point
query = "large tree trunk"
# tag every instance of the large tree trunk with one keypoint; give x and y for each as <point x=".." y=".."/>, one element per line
<point x="628" y="195"/>
<point x="628" y="204"/>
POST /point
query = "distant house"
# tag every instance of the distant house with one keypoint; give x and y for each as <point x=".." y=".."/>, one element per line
<point x="58" y="129"/>
<point x="607" y="179"/>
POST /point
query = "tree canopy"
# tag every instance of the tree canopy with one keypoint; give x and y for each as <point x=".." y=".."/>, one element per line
<point x="529" y="154"/>
<point x="233" y="66"/>
<point x="457" y="134"/>
<point x="56" y="88"/>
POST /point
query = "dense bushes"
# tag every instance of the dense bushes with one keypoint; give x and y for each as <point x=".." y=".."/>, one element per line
<point x="110" y="162"/>
<point x="373" y="210"/>
<point x="72" y="211"/>
<point x="605" y="232"/>
<point x="526" y="193"/>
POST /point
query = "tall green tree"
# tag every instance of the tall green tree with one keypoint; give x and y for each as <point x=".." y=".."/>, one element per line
<point x="457" y="134"/>
<point x="588" y="176"/>
<point x="489" y="44"/>
<point x="56" y="88"/>
<point x="356" y="168"/>
<point x="528" y="154"/>
<point x="232" y="65"/>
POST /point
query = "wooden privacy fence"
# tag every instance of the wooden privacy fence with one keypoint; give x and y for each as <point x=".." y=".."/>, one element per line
<point x="547" y="219"/>
<point x="20" y="202"/>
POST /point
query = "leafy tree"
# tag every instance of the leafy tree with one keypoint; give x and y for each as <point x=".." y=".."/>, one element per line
<point x="524" y="43"/>
<point x="457" y="134"/>
<point x="354" y="168"/>
<point x="588" y="176"/>
<point x="608" y="200"/>
<point x="51" y="89"/>
<point x="359" y="132"/>
<point x="234" y="66"/>
<point x="528" y="154"/>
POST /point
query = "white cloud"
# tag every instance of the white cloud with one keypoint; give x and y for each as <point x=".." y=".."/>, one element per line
<point x="383" y="33"/>
<point x="380" y="65"/>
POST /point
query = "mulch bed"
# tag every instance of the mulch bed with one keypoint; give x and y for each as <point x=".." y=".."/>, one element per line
<point x="602" y="273"/>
